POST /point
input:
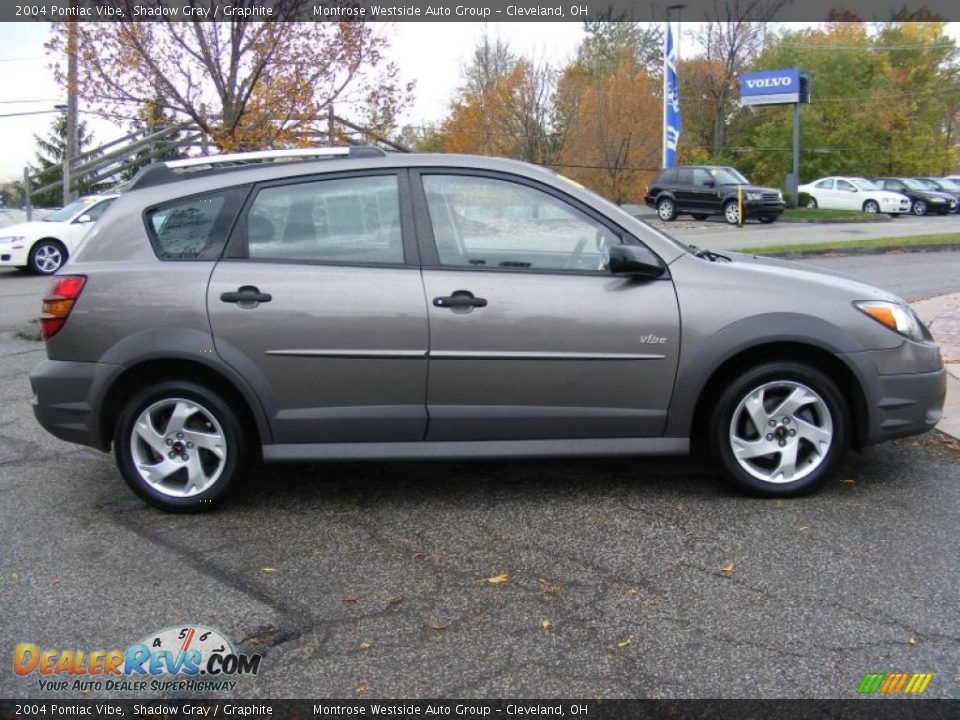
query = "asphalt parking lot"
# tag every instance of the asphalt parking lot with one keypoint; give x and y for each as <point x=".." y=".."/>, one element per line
<point x="623" y="578"/>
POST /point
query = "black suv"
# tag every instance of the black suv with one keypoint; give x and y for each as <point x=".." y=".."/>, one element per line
<point x="703" y="190"/>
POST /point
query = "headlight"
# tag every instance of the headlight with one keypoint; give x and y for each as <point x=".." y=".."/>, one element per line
<point x="754" y="196"/>
<point x="937" y="200"/>
<point x="10" y="239"/>
<point x="899" y="318"/>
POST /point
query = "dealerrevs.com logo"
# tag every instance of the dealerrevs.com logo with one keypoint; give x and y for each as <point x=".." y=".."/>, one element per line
<point x="894" y="683"/>
<point x="185" y="658"/>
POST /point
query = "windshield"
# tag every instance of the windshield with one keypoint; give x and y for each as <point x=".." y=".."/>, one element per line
<point x="69" y="211"/>
<point x="913" y="184"/>
<point x="864" y="184"/>
<point x="728" y="176"/>
<point x="949" y="185"/>
<point x="928" y="184"/>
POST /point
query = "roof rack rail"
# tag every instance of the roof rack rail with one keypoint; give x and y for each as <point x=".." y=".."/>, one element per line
<point x="161" y="173"/>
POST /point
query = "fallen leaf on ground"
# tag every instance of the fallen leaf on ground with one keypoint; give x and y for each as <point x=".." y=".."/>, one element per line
<point x="263" y="634"/>
<point x="624" y="643"/>
<point x="849" y="482"/>
<point x="419" y="555"/>
<point x="633" y="591"/>
<point x="307" y="650"/>
<point x="545" y="624"/>
<point x="803" y="528"/>
<point x="453" y="556"/>
<point x="364" y="646"/>
<point x="268" y="570"/>
<point x="351" y="599"/>
<point x="16" y="578"/>
<point x="437" y="627"/>
<point x="53" y="582"/>
<point x="728" y="567"/>
<point x="395" y="600"/>
<point x="680" y="509"/>
<point x="497" y="579"/>
<point x="912" y="641"/>
<point x="362" y="689"/>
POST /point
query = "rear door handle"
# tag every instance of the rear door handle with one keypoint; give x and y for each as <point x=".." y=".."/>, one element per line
<point x="247" y="296"/>
<point x="460" y="299"/>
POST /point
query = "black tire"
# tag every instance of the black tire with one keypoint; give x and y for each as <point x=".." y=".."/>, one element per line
<point x="666" y="209"/>
<point x="811" y="204"/>
<point x="919" y="208"/>
<point x="731" y="213"/>
<point x="818" y="467"/>
<point x="236" y="445"/>
<point x="871" y="206"/>
<point x="767" y="220"/>
<point x="700" y="216"/>
<point x="47" y="256"/>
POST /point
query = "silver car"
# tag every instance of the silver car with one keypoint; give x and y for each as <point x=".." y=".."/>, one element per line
<point x="347" y="304"/>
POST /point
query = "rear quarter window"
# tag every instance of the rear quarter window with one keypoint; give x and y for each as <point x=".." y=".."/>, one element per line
<point x="193" y="228"/>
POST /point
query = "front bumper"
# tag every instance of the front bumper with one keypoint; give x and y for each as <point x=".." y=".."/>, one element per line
<point x="14" y="254"/>
<point x="762" y="208"/>
<point x="900" y="404"/>
<point x="66" y="399"/>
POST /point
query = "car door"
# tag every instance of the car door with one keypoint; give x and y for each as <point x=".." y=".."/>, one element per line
<point x="847" y="196"/>
<point x="824" y="194"/>
<point x="704" y="195"/>
<point x="531" y="337"/>
<point x="320" y="306"/>
<point x="684" y="191"/>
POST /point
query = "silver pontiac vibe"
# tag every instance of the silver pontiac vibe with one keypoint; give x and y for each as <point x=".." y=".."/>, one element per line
<point x="352" y="304"/>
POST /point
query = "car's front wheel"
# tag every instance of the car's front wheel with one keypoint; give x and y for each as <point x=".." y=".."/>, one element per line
<point x="666" y="209"/>
<point x="47" y="256"/>
<point x="871" y="206"/>
<point x="780" y="429"/>
<point x="179" y="446"/>
<point x="919" y="208"/>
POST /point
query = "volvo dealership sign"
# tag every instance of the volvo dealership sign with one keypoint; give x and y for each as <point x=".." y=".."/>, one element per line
<point x="771" y="87"/>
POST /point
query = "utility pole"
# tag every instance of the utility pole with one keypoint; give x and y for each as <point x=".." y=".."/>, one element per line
<point x="70" y="150"/>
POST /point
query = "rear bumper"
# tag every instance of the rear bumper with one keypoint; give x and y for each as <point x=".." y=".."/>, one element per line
<point x="66" y="398"/>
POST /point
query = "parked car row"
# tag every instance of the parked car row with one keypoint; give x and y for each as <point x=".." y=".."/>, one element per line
<point x="891" y="195"/>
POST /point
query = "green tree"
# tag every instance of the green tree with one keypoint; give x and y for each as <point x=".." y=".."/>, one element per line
<point x="48" y="165"/>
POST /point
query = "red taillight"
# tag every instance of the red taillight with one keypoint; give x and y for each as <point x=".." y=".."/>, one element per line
<point x="59" y="302"/>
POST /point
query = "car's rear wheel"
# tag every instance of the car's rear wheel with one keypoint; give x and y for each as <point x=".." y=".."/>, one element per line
<point x="871" y="206"/>
<point x="47" y="256"/>
<point x="780" y="429"/>
<point x="666" y="209"/>
<point x="179" y="446"/>
<point x="811" y="204"/>
<point x="919" y="208"/>
<point x="731" y="213"/>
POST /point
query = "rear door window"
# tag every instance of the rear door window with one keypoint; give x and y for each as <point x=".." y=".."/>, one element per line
<point x="341" y="220"/>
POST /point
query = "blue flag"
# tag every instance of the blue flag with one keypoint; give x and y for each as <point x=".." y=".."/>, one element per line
<point x="671" y="103"/>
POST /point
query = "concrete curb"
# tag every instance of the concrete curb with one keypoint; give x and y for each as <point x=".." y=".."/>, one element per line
<point x="834" y="221"/>
<point x="838" y="250"/>
<point x="942" y="315"/>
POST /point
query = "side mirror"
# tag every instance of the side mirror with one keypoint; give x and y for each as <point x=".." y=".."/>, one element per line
<point x="635" y="260"/>
<point x="83" y="219"/>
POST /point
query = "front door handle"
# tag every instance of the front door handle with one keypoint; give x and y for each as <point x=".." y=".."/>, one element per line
<point x="246" y="297"/>
<point x="460" y="299"/>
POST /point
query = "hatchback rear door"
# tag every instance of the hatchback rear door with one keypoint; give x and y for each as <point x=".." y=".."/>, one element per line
<point x="319" y="304"/>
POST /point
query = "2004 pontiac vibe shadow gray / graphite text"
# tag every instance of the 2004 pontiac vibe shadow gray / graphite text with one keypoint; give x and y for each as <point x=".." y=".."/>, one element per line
<point x="360" y="305"/>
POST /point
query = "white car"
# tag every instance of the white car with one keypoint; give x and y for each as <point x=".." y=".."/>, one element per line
<point x="43" y="246"/>
<point x="853" y="193"/>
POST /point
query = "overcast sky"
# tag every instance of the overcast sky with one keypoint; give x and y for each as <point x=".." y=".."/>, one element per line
<point x="429" y="53"/>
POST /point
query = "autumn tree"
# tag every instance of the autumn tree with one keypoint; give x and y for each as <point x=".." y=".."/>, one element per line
<point x="246" y="84"/>
<point x="613" y="125"/>
<point x="502" y="108"/>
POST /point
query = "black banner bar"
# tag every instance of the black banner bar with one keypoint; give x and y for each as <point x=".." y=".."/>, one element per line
<point x="857" y="709"/>
<point x="460" y="10"/>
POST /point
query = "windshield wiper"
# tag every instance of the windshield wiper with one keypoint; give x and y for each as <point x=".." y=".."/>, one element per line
<point x="708" y="254"/>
